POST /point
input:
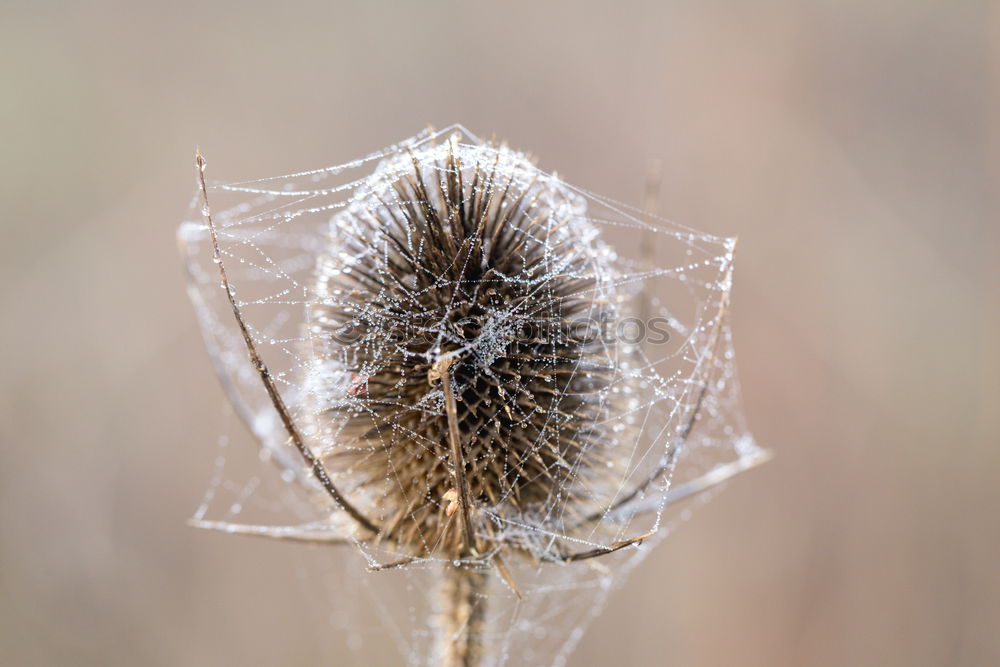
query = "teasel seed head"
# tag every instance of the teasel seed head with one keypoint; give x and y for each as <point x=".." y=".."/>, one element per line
<point x="466" y="265"/>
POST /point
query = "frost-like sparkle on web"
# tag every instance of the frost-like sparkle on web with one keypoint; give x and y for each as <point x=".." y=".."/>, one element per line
<point x="667" y="425"/>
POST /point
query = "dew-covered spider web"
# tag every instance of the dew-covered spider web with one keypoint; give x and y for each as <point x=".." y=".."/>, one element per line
<point x="499" y="372"/>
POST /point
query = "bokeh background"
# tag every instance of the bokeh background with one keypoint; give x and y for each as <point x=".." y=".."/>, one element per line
<point x="853" y="146"/>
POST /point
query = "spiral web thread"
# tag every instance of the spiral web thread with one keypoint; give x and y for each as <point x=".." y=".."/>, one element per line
<point x="676" y="426"/>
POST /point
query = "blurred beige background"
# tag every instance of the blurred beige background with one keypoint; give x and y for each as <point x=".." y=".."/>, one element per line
<point x="853" y="146"/>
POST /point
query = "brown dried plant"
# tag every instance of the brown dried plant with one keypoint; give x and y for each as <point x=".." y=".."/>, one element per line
<point x="451" y="390"/>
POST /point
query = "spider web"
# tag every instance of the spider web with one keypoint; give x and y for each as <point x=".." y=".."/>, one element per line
<point x="676" y="427"/>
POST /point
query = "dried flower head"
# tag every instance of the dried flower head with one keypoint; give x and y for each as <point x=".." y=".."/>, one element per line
<point x="452" y="366"/>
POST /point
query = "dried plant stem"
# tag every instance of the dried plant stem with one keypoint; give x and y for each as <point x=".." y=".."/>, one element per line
<point x="461" y="613"/>
<point x="460" y="617"/>
<point x="440" y="372"/>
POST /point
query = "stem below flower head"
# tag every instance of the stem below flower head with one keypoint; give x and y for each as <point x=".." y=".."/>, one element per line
<point x="460" y="617"/>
